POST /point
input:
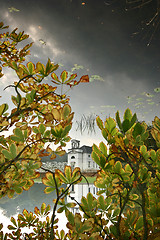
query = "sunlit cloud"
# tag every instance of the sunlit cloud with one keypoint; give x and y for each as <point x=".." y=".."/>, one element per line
<point x="36" y="33"/>
<point x="8" y="78"/>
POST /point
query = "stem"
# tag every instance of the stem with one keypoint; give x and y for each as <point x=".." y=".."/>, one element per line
<point x="121" y="211"/>
<point x="135" y="170"/>
<point x="59" y="196"/>
<point x="145" y="236"/>
<point x="95" y="220"/>
<point x="55" y="206"/>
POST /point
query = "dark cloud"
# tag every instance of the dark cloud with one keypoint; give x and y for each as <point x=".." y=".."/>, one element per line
<point x="104" y="38"/>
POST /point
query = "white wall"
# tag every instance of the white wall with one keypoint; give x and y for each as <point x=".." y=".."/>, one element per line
<point x="82" y="189"/>
<point x="82" y="160"/>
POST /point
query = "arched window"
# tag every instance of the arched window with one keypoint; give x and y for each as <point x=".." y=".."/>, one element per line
<point x="73" y="164"/>
<point x="73" y="157"/>
<point x="72" y="188"/>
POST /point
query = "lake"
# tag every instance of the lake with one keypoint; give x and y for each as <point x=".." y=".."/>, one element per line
<point x="35" y="196"/>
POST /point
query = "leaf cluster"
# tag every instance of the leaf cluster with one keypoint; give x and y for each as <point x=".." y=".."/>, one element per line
<point x="40" y="116"/>
<point x="127" y="205"/>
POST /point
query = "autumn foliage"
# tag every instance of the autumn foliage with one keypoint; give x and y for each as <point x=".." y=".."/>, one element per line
<point x="127" y="205"/>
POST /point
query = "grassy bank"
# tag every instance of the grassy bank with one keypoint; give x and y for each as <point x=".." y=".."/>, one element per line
<point x="89" y="179"/>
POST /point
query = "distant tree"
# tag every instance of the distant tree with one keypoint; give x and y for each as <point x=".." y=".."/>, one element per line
<point x="150" y="10"/>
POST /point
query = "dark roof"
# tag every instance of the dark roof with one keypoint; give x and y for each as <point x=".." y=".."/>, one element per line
<point x="57" y="159"/>
<point x="86" y="149"/>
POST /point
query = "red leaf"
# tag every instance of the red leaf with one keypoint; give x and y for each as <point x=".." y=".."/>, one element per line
<point x="84" y="78"/>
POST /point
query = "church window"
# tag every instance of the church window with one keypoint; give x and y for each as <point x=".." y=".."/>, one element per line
<point x="89" y="164"/>
<point x="73" y="164"/>
<point x="72" y="188"/>
<point x="73" y="157"/>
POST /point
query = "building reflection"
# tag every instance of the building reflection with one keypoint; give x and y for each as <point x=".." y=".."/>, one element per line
<point x="80" y="190"/>
<point x="35" y="196"/>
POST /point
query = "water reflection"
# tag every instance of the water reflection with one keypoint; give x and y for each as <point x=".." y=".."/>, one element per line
<point x="28" y="199"/>
<point x="79" y="190"/>
<point x="36" y="196"/>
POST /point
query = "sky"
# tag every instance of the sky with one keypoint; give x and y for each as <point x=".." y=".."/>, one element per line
<point x="95" y="37"/>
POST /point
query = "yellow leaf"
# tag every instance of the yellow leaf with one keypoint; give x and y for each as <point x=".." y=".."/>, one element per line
<point x="4" y="123"/>
<point x="111" y="162"/>
<point x="48" y="117"/>
<point x="2" y="108"/>
<point x="66" y="111"/>
<point x="56" y="114"/>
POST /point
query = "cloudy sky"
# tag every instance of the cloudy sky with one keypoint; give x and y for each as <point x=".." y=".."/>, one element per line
<point x="99" y="38"/>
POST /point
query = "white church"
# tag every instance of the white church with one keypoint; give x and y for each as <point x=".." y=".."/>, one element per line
<point x="81" y="157"/>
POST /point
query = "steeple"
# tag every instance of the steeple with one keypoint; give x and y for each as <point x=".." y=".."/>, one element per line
<point x="75" y="143"/>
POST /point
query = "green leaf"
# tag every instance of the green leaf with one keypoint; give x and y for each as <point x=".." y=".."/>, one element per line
<point x="101" y="202"/>
<point x="105" y="134"/>
<point x="48" y="66"/>
<point x="10" y="227"/>
<point x="24" y="69"/>
<point x="99" y="123"/>
<point x="118" y="167"/>
<point x="66" y="131"/>
<point x="126" y="125"/>
<point x="3" y="108"/>
<point x="48" y="180"/>
<point x="64" y="76"/>
<point x="35" y="130"/>
<point x="7" y="154"/>
<point x="118" y="120"/>
<point x="135" y="196"/>
<point x="68" y="172"/>
<point x="90" y="199"/>
<point x="116" y="212"/>
<point x="96" y="149"/>
<point x="42" y="128"/>
<point x="133" y="120"/>
<point x="128" y="168"/>
<point x="153" y="154"/>
<point x="70" y="217"/>
<point x="139" y="223"/>
<point x="40" y="68"/>
<point x="87" y="226"/>
<point x="13" y="221"/>
<point x="103" y="148"/>
<point x="48" y="190"/>
<point x="55" y="77"/>
<point x="137" y="130"/>
<point x="143" y="150"/>
<point x="43" y="207"/>
<point x="128" y="114"/>
<point x="95" y="157"/>
<point x="47" y="134"/>
<point x="15" y="138"/>
<point x="18" y="190"/>
<point x="102" y="161"/>
<point x="19" y="134"/>
<point x="73" y="76"/>
<point x="32" y="94"/>
<point x="13" y="150"/>
<point x="31" y="68"/>
<point x="110" y="124"/>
